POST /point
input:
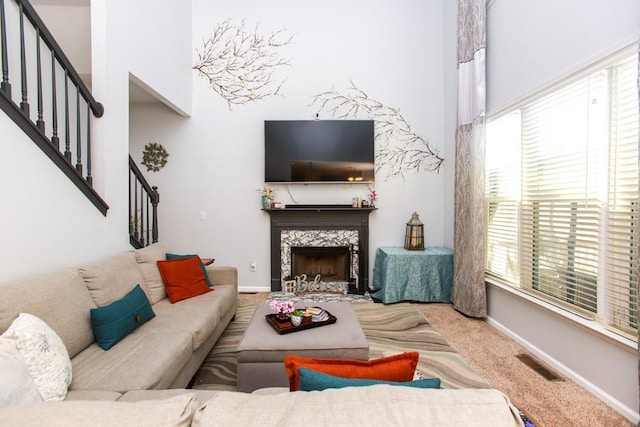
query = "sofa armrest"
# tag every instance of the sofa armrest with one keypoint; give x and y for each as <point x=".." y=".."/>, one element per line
<point x="222" y="275"/>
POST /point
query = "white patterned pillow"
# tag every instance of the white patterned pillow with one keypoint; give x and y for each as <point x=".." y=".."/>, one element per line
<point x="45" y="355"/>
<point x="17" y="386"/>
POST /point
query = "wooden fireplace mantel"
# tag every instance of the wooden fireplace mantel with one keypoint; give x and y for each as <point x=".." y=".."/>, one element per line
<point x="320" y="217"/>
<point x="319" y="208"/>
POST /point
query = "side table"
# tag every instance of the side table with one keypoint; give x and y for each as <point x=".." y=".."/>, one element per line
<point x="402" y="275"/>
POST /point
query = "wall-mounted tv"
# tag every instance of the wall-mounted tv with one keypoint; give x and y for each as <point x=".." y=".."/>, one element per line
<point x="309" y="151"/>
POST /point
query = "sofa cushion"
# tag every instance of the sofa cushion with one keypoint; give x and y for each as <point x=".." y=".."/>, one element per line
<point x="17" y="386"/>
<point x="400" y="367"/>
<point x="93" y="395"/>
<point x="222" y="275"/>
<point x="113" y="278"/>
<point x="147" y="258"/>
<point x="181" y="317"/>
<point x="61" y="288"/>
<point x="379" y="405"/>
<point x="44" y="353"/>
<point x="174" y="411"/>
<point x="183" y="278"/>
<point x="312" y="380"/>
<point x="202" y="266"/>
<point x="140" y="361"/>
<point x="137" y="395"/>
<point x="113" y="322"/>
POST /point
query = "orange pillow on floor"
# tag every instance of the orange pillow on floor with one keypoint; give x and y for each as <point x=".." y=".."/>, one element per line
<point x="399" y="367"/>
<point x="183" y="278"/>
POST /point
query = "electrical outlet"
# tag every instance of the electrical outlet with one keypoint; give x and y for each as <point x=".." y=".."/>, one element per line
<point x="253" y="266"/>
<point x="203" y="215"/>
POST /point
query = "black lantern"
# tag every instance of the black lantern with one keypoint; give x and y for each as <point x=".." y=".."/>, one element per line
<point x="414" y="236"/>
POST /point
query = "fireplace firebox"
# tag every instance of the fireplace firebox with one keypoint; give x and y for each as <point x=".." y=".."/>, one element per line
<point x="331" y="263"/>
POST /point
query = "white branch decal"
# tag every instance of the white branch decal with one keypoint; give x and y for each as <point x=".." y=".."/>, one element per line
<point x="399" y="149"/>
<point x="240" y="65"/>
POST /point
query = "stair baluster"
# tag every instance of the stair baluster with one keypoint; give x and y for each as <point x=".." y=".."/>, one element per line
<point x="29" y="56"/>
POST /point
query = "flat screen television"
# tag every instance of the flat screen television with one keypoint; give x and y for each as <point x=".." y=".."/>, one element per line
<point x="308" y="151"/>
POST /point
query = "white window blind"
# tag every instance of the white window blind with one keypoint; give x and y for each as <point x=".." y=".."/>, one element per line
<point x="562" y="196"/>
<point x="623" y="221"/>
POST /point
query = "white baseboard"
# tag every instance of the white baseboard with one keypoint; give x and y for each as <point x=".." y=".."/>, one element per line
<point x="253" y="289"/>
<point x="631" y="414"/>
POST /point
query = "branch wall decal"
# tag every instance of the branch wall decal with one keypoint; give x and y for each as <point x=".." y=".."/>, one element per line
<point x="399" y="149"/>
<point x="240" y="64"/>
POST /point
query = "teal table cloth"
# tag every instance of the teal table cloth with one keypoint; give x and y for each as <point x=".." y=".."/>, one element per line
<point x="402" y="275"/>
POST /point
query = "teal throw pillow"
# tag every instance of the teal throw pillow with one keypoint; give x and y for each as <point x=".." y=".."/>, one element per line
<point x="312" y="380"/>
<point x="115" y="321"/>
<point x="204" y="270"/>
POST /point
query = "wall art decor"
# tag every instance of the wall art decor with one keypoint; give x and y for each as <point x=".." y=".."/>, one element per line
<point x="240" y="64"/>
<point x="399" y="149"/>
<point x="154" y="157"/>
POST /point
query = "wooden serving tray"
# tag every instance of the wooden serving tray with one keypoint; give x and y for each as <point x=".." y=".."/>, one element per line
<point x="286" y="327"/>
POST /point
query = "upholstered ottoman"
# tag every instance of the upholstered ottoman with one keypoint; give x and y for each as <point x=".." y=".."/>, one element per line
<point x="262" y="350"/>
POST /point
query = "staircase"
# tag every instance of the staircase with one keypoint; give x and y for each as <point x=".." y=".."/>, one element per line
<point x="44" y="95"/>
<point x="143" y="209"/>
<point x="57" y="114"/>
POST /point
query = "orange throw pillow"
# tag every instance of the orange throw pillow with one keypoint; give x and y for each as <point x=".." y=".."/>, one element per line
<point x="399" y="367"/>
<point x="183" y="278"/>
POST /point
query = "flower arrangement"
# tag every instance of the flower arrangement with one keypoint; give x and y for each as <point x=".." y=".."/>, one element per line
<point x="281" y="307"/>
<point x="268" y="192"/>
<point x="373" y="196"/>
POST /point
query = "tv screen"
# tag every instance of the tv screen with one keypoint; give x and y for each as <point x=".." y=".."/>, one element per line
<point x="319" y="151"/>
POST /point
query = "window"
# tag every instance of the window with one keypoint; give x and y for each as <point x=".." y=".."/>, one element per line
<point x="561" y="196"/>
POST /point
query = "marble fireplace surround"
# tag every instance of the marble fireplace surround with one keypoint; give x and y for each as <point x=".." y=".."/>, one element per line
<point x="320" y="239"/>
<point x="320" y="226"/>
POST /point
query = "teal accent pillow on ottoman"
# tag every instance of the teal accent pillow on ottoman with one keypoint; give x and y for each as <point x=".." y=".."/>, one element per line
<point x="115" y="321"/>
<point x="204" y="269"/>
<point x="316" y="381"/>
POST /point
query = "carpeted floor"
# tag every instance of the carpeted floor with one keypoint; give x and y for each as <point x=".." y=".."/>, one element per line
<point x="459" y="341"/>
<point x="492" y="355"/>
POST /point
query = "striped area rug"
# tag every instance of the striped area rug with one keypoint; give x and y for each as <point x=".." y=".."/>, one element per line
<point x="388" y="328"/>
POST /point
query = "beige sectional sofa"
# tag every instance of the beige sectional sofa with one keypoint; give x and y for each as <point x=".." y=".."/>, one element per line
<point x="162" y="353"/>
<point x="141" y="380"/>
<point x="378" y="405"/>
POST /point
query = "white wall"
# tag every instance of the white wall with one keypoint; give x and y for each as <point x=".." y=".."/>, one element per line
<point x="127" y="40"/>
<point x="392" y="50"/>
<point x="71" y="27"/>
<point x="450" y="106"/>
<point x="45" y="221"/>
<point x="156" y="36"/>
<point x="530" y="45"/>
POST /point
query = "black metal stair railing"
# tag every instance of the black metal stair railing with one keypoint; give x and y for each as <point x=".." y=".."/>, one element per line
<point x="143" y="209"/>
<point x="59" y="91"/>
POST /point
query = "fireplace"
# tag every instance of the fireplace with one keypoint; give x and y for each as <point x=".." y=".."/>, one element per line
<point x="331" y="241"/>
<point x="331" y="264"/>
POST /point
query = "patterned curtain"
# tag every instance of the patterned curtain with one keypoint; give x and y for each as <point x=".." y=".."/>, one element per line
<point x="469" y="291"/>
